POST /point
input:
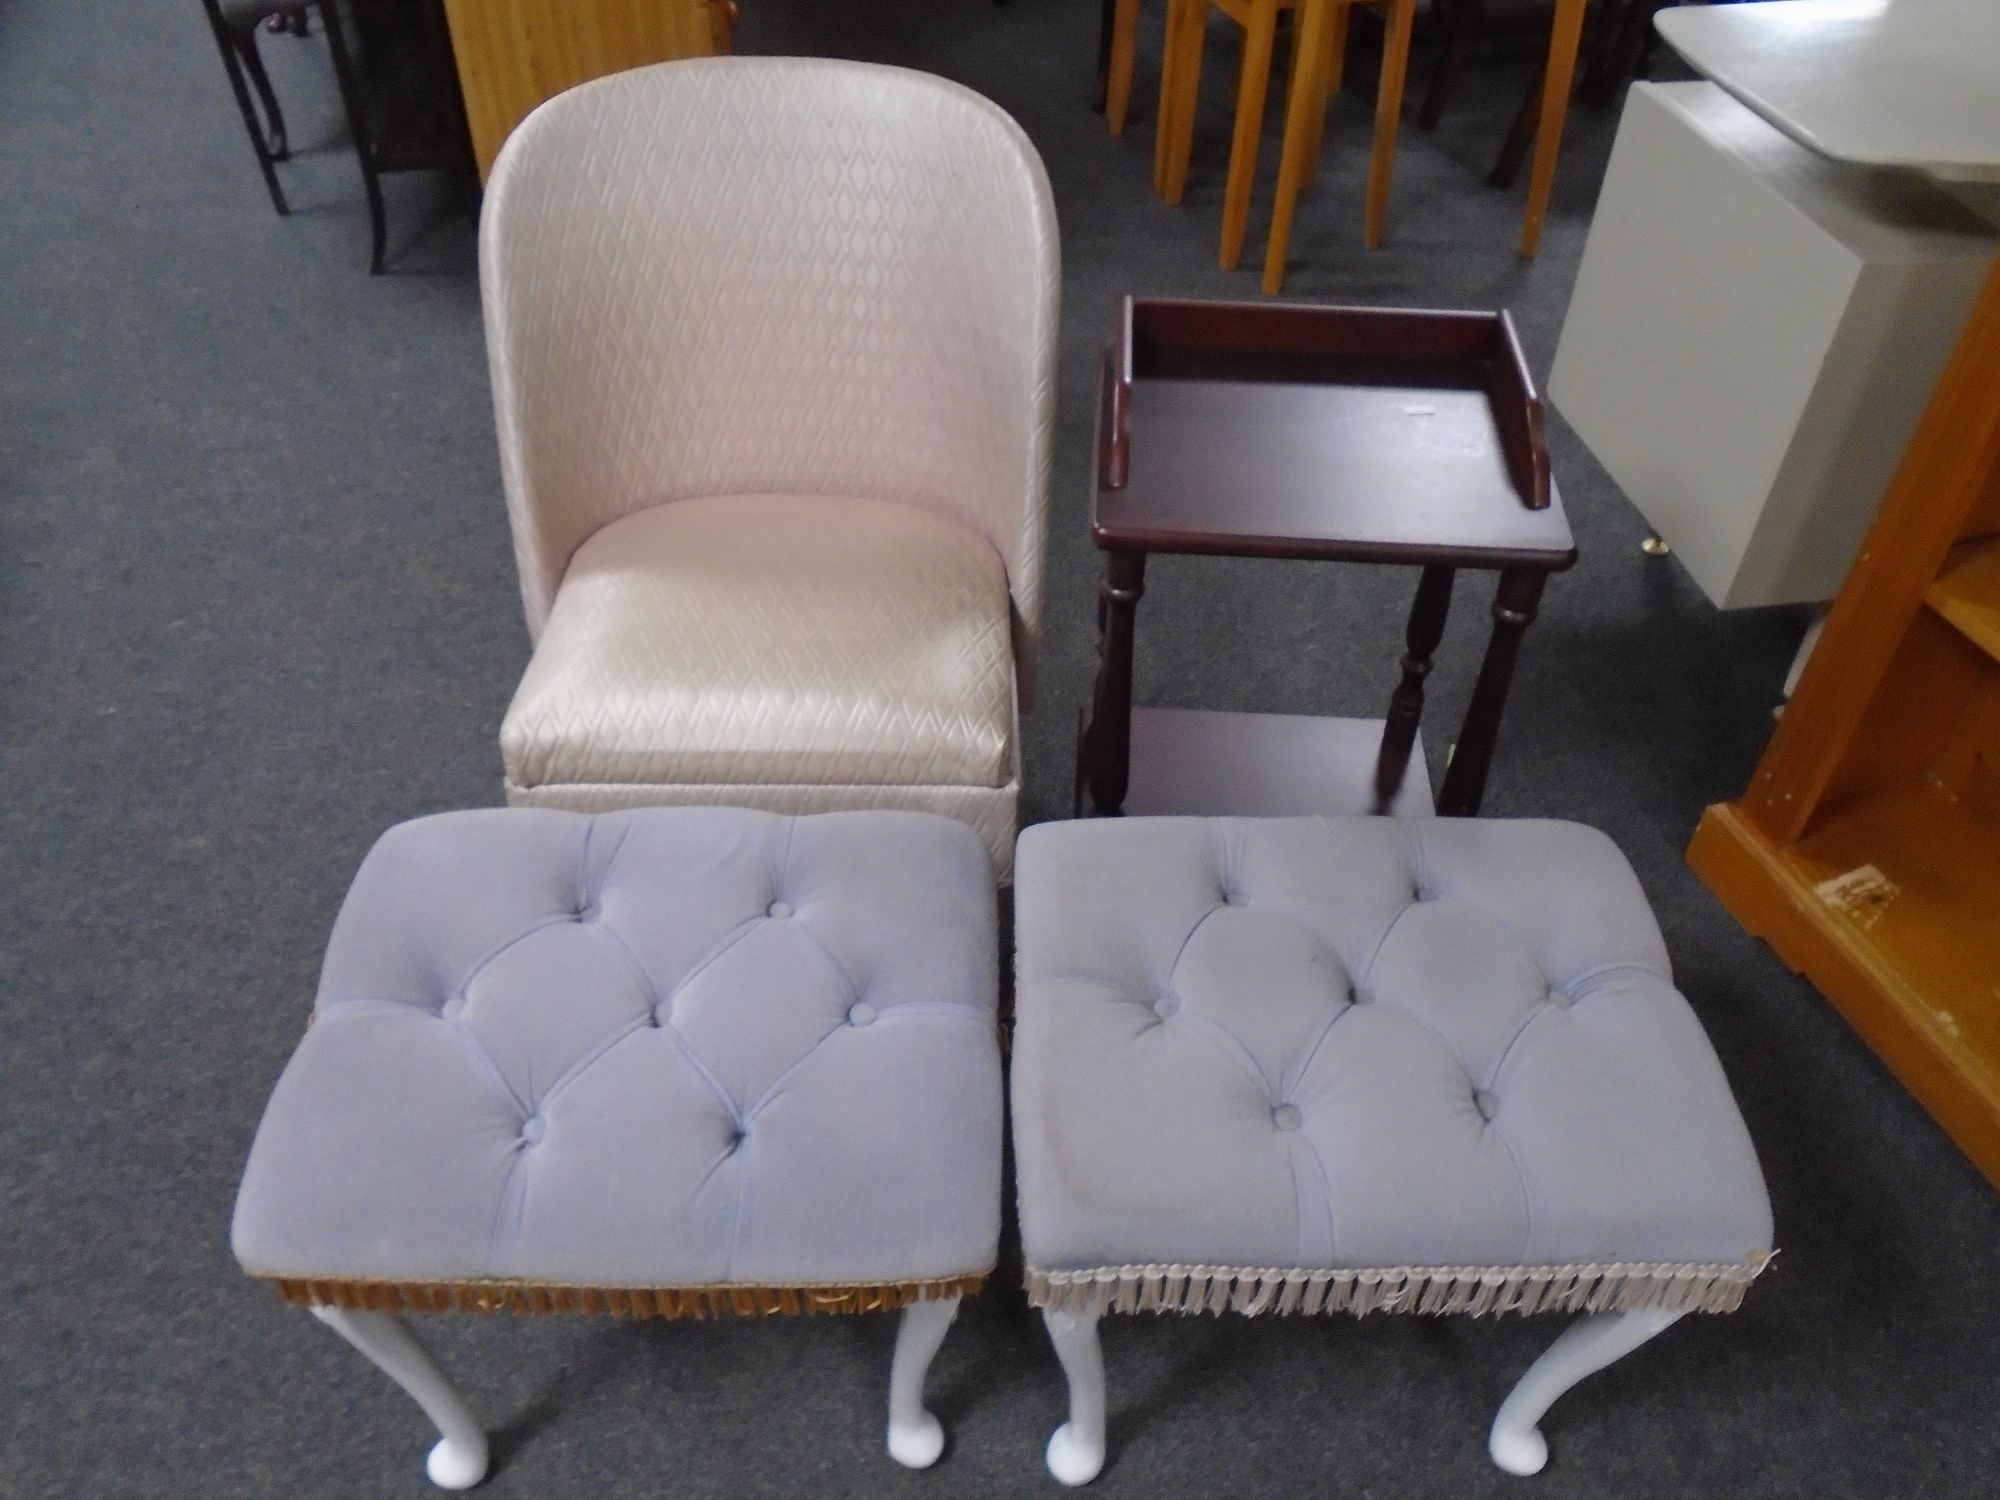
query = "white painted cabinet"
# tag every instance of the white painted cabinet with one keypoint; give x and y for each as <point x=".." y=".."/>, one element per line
<point x="1754" y="332"/>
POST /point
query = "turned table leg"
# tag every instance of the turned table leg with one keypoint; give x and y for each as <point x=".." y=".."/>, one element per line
<point x="1514" y="605"/>
<point x="1406" y="707"/>
<point x="1107" y="739"/>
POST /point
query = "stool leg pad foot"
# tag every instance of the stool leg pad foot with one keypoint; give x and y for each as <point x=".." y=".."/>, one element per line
<point x="1071" y="1459"/>
<point x="452" y="1467"/>
<point x="1076" y="1450"/>
<point x="459" y="1459"/>
<point x="916" y="1438"/>
<point x="1585" y="1347"/>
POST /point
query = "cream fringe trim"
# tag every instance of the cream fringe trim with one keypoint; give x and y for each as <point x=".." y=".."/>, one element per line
<point x="1476" y="1290"/>
<point x="620" y="1302"/>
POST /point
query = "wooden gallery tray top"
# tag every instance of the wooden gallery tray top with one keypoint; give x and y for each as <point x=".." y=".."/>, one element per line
<point x="1336" y="433"/>
<point x="1323" y="433"/>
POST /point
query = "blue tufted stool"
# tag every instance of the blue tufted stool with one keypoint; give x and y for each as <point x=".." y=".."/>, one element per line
<point x="672" y="1062"/>
<point x="1363" y="1065"/>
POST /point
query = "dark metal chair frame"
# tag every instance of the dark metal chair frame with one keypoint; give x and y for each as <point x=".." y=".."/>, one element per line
<point x="235" y="24"/>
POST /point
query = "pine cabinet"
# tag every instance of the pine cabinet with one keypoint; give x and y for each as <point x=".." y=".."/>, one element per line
<point x="1866" y="850"/>
<point x="513" y="54"/>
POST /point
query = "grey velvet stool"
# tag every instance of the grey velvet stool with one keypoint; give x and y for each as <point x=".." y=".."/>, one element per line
<point x="664" y="1063"/>
<point x="1363" y="1065"/>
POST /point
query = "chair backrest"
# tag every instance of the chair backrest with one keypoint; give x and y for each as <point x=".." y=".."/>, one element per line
<point x="772" y="276"/>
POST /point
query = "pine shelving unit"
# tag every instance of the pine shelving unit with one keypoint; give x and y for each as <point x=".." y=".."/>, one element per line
<point x="1866" y="850"/>
<point x="513" y="54"/>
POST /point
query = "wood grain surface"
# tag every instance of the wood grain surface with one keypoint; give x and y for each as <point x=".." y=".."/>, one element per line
<point x="513" y="54"/>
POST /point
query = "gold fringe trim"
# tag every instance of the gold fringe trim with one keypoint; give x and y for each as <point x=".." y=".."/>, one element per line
<point x="620" y="1301"/>
<point x="1479" y="1291"/>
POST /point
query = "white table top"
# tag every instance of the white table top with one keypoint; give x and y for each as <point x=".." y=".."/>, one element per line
<point x="1893" y="83"/>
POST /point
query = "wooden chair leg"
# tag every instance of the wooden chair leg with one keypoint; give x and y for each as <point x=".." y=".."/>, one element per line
<point x="1332" y="68"/>
<point x="1388" y="116"/>
<point x="1465" y="23"/>
<point x="1601" y="21"/>
<point x="1603" y="38"/>
<point x="1253" y="83"/>
<point x="1563" y="42"/>
<point x="1169" y="92"/>
<point x="1521" y="134"/>
<point x="1124" y="44"/>
<point x="1634" y="40"/>
<point x="1105" y="26"/>
<point x="1177" y="113"/>
<point x="1308" y="60"/>
<point x="1611" y="48"/>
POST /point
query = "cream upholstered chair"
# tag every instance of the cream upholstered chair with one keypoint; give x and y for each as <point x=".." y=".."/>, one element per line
<point x="773" y="351"/>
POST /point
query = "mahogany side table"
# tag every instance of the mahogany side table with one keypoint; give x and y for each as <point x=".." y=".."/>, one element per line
<point x="1326" y="433"/>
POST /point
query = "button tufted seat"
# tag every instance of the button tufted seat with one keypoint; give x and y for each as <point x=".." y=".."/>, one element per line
<point x="667" y="1061"/>
<point x="1304" y="1065"/>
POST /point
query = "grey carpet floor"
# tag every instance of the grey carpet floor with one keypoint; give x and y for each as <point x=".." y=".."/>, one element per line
<point x="257" y="602"/>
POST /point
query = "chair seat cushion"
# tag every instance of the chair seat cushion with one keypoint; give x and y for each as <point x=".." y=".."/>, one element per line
<point x="686" y="1047"/>
<point x="772" y="639"/>
<point x="1257" y="1048"/>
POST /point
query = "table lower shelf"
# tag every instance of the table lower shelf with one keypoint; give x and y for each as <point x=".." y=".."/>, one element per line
<point x="1198" y="762"/>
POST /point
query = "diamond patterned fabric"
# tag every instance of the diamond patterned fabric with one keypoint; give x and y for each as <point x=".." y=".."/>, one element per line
<point x="771" y="639"/>
<point x="992" y="813"/>
<point x="676" y="1047"/>
<point x="733" y="276"/>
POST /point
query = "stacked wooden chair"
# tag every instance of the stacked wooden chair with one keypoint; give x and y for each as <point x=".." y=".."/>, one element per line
<point x="1318" y="64"/>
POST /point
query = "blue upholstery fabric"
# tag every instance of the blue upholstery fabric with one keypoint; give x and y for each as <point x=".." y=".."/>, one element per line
<point x="1360" y="1042"/>
<point x="670" y="1047"/>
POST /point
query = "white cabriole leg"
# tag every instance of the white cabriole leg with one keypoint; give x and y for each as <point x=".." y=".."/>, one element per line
<point x="458" y="1461"/>
<point x="1076" y="1449"/>
<point x="916" y="1438"/>
<point x="1583" y="1348"/>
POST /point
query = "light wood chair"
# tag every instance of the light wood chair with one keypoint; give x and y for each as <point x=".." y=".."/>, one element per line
<point x="1317" y="65"/>
<point x="1180" y="88"/>
<point x="1317" y="59"/>
<point x="1119" y="56"/>
<point x="1305" y="120"/>
<point x="1117" y="60"/>
<point x="1623" y="35"/>
<point x="514" y="54"/>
